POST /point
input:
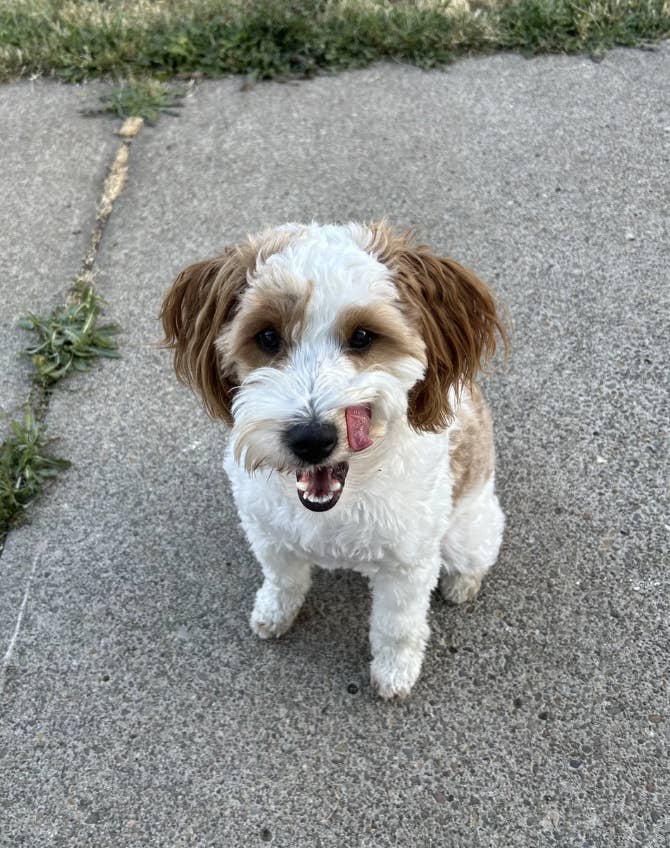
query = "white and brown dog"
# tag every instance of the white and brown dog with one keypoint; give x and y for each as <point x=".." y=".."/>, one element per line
<point x="343" y="359"/>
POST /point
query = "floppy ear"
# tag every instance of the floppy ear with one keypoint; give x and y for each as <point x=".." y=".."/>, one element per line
<point x="199" y="302"/>
<point x="456" y="316"/>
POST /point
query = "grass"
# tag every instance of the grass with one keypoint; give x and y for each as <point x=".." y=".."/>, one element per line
<point x="269" y="39"/>
<point x="24" y="469"/>
<point x="70" y="339"/>
<point x="145" y="98"/>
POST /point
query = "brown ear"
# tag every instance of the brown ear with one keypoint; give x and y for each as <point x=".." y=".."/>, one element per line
<point x="457" y="318"/>
<point x="199" y="302"/>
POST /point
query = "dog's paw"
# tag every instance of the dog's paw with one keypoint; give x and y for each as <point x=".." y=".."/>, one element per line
<point x="393" y="672"/>
<point x="274" y="612"/>
<point x="269" y="629"/>
<point x="459" y="588"/>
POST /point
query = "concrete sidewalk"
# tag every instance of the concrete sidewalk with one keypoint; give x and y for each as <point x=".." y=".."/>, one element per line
<point x="53" y="164"/>
<point x="139" y="710"/>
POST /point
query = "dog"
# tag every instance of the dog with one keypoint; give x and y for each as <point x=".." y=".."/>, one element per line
<point x="343" y="358"/>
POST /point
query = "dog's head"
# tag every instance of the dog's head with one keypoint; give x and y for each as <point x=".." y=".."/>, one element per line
<point x="316" y="343"/>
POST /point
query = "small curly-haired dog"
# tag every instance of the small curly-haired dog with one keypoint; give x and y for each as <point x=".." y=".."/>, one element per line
<point x="343" y="359"/>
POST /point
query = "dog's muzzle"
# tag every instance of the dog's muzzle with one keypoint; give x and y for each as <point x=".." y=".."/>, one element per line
<point x="320" y="487"/>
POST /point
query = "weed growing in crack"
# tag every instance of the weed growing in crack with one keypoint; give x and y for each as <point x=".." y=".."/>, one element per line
<point x="70" y="339"/>
<point x="142" y="98"/>
<point x="24" y="469"/>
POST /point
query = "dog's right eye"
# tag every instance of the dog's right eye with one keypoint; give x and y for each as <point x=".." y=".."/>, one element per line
<point x="268" y="340"/>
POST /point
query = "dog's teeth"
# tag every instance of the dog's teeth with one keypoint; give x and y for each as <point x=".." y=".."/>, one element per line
<point x="317" y="498"/>
<point x="335" y="486"/>
<point x="302" y="485"/>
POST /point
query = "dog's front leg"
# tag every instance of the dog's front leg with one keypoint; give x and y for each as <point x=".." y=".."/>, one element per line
<point x="399" y="627"/>
<point x="285" y="585"/>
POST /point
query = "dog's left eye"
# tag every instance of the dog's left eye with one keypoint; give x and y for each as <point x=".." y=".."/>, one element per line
<point x="268" y="340"/>
<point x="361" y="339"/>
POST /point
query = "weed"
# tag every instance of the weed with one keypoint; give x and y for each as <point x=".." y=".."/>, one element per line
<point x="70" y="338"/>
<point x="144" y="98"/>
<point x="24" y="469"/>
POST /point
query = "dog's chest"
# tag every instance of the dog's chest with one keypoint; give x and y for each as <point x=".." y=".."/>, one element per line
<point x="384" y="523"/>
<point x="359" y="536"/>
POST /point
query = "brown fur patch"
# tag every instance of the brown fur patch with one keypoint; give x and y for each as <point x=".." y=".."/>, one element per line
<point x="263" y="307"/>
<point x="454" y="313"/>
<point x="472" y="455"/>
<point x="200" y="301"/>
<point x="394" y="337"/>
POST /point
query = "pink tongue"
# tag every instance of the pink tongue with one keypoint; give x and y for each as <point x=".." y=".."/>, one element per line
<point x="358" y="427"/>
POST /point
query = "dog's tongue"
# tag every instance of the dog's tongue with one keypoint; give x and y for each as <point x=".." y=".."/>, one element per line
<point x="358" y="427"/>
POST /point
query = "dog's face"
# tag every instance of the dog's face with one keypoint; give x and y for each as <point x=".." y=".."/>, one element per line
<point x="315" y="342"/>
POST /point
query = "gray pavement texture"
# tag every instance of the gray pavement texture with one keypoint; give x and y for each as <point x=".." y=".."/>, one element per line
<point x="138" y="710"/>
<point x="53" y="162"/>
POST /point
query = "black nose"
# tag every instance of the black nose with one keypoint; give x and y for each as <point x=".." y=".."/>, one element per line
<point x="312" y="442"/>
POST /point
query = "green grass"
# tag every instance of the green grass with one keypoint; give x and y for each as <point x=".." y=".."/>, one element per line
<point x="25" y="467"/>
<point x="145" y="98"/>
<point x="70" y="338"/>
<point x="268" y="39"/>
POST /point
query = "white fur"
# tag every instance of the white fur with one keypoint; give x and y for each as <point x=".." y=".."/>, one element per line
<point x="394" y="522"/>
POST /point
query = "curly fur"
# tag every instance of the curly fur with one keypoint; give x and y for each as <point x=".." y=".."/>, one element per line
<point x="418" y="501"/>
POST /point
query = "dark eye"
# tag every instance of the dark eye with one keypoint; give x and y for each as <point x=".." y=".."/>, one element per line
<point x="268" y="340"/>
<point x="361" y="339"/>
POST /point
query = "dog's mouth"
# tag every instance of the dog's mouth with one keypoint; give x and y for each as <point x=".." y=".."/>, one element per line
<point x="319" y="489"/>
